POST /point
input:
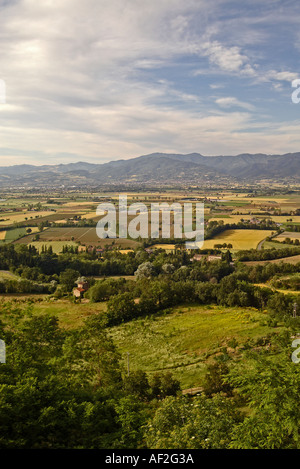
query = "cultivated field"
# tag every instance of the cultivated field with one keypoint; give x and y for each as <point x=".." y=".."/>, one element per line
<point x="9" y="218"/>
<point x="288" y="234"/>
<point x="240" y="239"/>
<point x="83" y="235"/>
<point x="287" y="260"/>
<point x="226" y="206"/>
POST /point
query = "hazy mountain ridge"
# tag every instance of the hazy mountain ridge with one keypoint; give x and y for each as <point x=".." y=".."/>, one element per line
<point x="157" y="167"/>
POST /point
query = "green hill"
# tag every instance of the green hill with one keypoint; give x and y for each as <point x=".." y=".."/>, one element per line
<point x="187" y="339"/>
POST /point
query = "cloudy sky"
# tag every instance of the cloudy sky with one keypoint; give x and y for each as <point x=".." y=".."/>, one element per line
<point x="100" y="80"/>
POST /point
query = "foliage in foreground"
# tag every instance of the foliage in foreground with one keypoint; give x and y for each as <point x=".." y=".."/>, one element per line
<point x="67" y="389"/>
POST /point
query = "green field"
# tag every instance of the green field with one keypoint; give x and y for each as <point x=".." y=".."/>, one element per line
<point x="70" y="315"/>
<point x="13" y="235"/>
<point x="185" y="340"/>
<point x="6" y="275"/>
<point x="182" y="341"/>
<point x="281" y="245"/>
<point x="57" y="246"/>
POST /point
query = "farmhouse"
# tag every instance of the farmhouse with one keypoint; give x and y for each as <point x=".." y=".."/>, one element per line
<point x="254" y="221"/>
<point x="198" y="257"/>
<point x="214" y="258"/>
<point x="79" y="292"/>
<point x="82" y="287"/>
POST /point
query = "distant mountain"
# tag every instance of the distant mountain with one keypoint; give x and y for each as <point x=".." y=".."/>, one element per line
<point x="157" y="168"/>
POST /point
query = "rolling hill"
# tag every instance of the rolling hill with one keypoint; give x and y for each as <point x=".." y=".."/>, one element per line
<point x="157" y="168"/>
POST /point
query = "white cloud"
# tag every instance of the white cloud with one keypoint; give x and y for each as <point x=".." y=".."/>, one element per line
<point x="226" y="58"/>
<point x="98" y="79"/>
<point x="231" y="101"/>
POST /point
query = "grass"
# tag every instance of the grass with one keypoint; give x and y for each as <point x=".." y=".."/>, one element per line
<point x="233" y="203"/>
<point x="70" y="315"/>
<point x="183" y="340"/>
<point x="287" y="260"/>
<point x="281" y="245"/>
<point x="57" y="246"/>
<point x="6" y="275"/>
<point x="13" y="235"/>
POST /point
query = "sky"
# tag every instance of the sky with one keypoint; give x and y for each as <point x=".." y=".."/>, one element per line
<point x="103" y="80"/>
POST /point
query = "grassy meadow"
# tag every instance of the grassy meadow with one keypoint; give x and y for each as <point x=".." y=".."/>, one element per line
<point x="185" y="340"/>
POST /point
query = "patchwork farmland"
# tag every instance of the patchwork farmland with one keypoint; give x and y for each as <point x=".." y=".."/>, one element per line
<point x="80" y="235"/>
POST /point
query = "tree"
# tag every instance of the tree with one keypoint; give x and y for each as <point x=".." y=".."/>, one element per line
<point x="271" y="386"/>
<point x="227" y="257"/>
<point x="121" y="308"/>
<point x="68" y="277"/>
<point x="163" y="385"/>
<point x="214" y="379"/>
<point x="198" y="423"/>
<point x="145" y="270"/>
<point x="91" y="356"/>
<point x="137" y="384"/>
<point x="168" y="268"/>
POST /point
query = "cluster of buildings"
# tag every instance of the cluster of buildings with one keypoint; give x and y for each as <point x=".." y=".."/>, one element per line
<point x="82" y="287"/>
<point x="90" y="249"/>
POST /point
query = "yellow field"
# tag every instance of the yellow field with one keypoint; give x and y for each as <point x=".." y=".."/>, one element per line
<point x="283" y="219"/>
<point x="34" y="229"/>
<point x="76" y="204"/>
<point x="262" y="200"/>
<point x="232" y="218"/>
<point x="90" y="215"/>
<point x="11" y="218"/>
<point x="240" y="239"/>
<point x="2" y="235"/>
<point x="248" y="211"/>
<point x="166" y="247"/>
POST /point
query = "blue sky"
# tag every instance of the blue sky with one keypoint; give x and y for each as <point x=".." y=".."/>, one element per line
<point x="99" y="80"/>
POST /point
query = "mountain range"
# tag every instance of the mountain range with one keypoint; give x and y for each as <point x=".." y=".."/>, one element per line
<point x="157" y="168"/>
